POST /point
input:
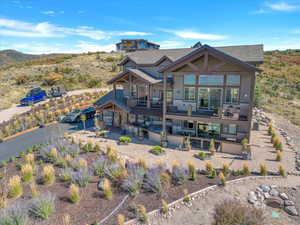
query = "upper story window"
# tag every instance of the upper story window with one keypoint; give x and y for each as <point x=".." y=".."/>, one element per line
<point x="233" y="80"/>
<point x="189" y="93"/>
<point x="189" y="79"/>
<point x="232" y="95"/>
<point x="213" y="80"/>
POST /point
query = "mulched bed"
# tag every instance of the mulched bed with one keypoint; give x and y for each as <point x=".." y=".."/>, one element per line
<point x="93" y="207"/>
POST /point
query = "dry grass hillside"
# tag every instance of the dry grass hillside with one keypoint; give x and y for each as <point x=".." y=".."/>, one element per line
<point x="278" y="86"/>
<point x="78" y="71"/>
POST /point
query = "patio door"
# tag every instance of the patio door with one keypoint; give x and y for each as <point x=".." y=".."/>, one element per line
<point x="209" y="98"/>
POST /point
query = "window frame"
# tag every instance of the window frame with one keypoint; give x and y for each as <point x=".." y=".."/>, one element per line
<point x="184" y="94"/>
<point x="210" y="75"/>
<point x="228" y="129"/>
<point x="226" y="93"/>
<point x="192" y="84"/>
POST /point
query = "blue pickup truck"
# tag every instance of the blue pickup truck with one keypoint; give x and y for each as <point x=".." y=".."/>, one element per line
<point x="33" y="96"/>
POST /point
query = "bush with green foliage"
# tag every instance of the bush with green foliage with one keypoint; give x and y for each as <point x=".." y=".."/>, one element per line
<point x="16" y="214"/>
<point x="125" y="139"/>
<point x="43" y="206"/>
<point x="157" y="150"/>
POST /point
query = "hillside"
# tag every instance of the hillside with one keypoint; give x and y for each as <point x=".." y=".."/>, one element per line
<point x="278" y="86"/>
<point x="12" y="56"/>
<point x="78" y="71"/>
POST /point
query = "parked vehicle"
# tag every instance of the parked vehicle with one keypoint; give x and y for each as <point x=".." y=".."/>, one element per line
<point x="33" y="96"/>
<point x="58" y="91"/>
<point x="74" y="116"/>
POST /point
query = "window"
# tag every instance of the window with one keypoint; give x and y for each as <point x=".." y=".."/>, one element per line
<point x="232" y="95"/>
<point x="230" y="129"/>
<point x="170" y="76"/>
<point x="169" y="96"/>
<point x="189" y="93"/>
<point x="190" y="79"/>
<point x="188" y="124"/>
<point x="214" y="80"/>
<point x="233" y="80"/>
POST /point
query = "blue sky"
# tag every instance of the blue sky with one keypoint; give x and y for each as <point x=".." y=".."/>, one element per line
<point x="48" y="26"/>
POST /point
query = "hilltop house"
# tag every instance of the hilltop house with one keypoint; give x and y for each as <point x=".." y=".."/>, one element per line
<point x="130" y="45"/>
<point x="203" y="93"/>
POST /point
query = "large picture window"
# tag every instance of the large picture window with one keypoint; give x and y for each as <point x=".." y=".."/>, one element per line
<point x="189" y="93"/>
<point x="189" y="79"/>
<point x="232" y="95"/>
<point x="233" y="80"/>
<point x="212" y="80"/>
<point x="230" y="129"/>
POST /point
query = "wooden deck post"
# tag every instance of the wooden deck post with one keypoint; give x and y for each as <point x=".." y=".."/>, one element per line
<point x="114" y="91"/>
<point x="164" y="103"/>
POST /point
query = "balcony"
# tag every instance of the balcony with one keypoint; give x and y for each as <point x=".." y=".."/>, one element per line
<point x="238" y="112"/>
<point x="143" y="103"/>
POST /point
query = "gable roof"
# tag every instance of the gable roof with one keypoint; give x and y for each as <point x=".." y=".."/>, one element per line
<point x="147" y="77"/>
<point x="246" y="53"/>
<point x="215" y="50"/>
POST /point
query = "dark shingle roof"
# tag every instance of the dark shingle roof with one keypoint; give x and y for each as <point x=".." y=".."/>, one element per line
<point x="246" y="53"/>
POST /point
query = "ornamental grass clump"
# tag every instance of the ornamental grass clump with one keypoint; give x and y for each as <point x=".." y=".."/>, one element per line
<point x="121" y="219"/>
<point x="134" y="180"/>
<point x="82" y="163"/>
<point x="74" y="193"/>
<point x="208" y="168"/>
<point x="281" y="171"/>
<point x="29" y="158"/>
<point x="27" y="172"/>
<point x="165" y="207"/>
<point x="152" y="181"/>
<point x="65" y="174"/>
<point x="34" y="190"/>
<point x="15" y="188"/>
<point x="192" y="170"/>
<point x="66" y="219"/>
<point x="222" y="179"/>
<point x="68" y="159"/>
<point x="212" y="147"/>
<point x="81" y="177"/>
<point x="225" y="169"/>
<point x="48" y="174"/>
<point x="142" y="163"/>
<point x="263" y="169"/>
<point x="107" y="190"/>
<point x="142" y="214"/>
<point x="278" y="156"/>
<point x="179" y="174"/>
<point x="53" y="153"/>
<point x="246" y="169"/>
<point x="165" y="180"/>
<point x="43" y="206"/>
<point x="186" y="197"/>
<point x="3" y="197"/>
<point x="17" y="214"/>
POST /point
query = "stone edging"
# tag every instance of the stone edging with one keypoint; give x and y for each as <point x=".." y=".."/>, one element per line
<point x="198" y="194"/>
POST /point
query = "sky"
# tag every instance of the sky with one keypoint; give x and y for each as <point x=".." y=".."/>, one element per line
<point x="63" y="26"/>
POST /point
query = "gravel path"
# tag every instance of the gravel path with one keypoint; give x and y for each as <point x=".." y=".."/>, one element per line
<point x="16" y="109"/>
<point x="200" y="213"/>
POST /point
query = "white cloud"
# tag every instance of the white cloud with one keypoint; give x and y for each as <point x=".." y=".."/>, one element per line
<point x="45" y="29"/>
<point x="171" y="44"/>
<point x="51" y="12"/>
<point x="261" y="11"/>
<point x="281" y="6"/>
<point x="92" y="47"/>
<point x="189" y="34"/>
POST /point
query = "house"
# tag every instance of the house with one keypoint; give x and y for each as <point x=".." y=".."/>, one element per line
<point x="130" y="45"/>
<point x="204" y="93"/>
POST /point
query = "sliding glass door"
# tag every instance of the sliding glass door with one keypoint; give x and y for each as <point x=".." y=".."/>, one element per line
<point x="209" y="98"/>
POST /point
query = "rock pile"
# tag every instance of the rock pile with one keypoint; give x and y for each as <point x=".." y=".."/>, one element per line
<point x="270" y="196"/>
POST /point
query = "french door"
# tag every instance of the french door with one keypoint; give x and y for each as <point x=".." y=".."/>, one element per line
<point x="209" y="98"/>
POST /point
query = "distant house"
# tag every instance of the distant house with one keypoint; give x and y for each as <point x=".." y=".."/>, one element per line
<point x="204" y="93"/>
<point x="130" y="45"/>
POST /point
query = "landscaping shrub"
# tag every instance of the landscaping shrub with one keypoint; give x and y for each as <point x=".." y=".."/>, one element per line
<point x="121" y="219"/>
<point x="115" y="171"/>
<point x="186" y="197"/>
<point x="212" y="147"/>
<point x="134" y="179"/>
<point x="82" y="163"/>
<point x="208" y="168"/>
<point x="231" y="212"/>
<point x="165" y="206"/>
<point x="3" y="196"/>
<point x="263" y="169"/>
<point x="97" y="148"/>
<point x="107" y="191"/>
<point x="179" y="174"/>
<point x="222" y="179"/>
<point x="65" y="174"/>
<point x="15" y="188"/>
<point x="165" y="179"/>
<point x="21" y="154"/>
<point x="74" y="193"/>
<point x="157" y="150"/>
<point x="68" y="159"/>
<point x="152" y="181"/>
<point x="142" y="214"/>
<point x="33" y="189"/>
<point x="99" y="165"/>
<point x="43" y="206"/>
<point x="29" y="158"/>
<point x="246" y="170"/>
<point x="15" y="215"/>
<point x="142" y="163"/>
<point x="81" y="177"/>
<point x="3" y="164"/>
<point x="225" y="169"/>
<point x="278" y="156"/>
<point x="48" y="174"/>
<point x="201" y="155"/>
<point x="281" y="171"/>
<point x="125" y="139"/>
<point x="192" y="170"/>
<point x="27" y="173"/>
<point x="66" y="219"/>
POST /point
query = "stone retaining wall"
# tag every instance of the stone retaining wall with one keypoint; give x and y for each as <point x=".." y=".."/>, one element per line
<point x="197" y="195"/>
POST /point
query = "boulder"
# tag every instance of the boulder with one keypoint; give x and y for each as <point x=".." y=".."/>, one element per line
<point x="100" y="185"/>
<point x="252" y="198"/>
<point x="284" y="196"/>
<point x="274" y="193"/>
<point x="274" y="202"/>
<point x="267" y="195"/>
<point x="291" y="210"/>
<point x="265" y="188"/>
